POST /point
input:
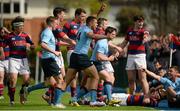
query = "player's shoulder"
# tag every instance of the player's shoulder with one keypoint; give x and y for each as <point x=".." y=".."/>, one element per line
<point x="24" y="34"/>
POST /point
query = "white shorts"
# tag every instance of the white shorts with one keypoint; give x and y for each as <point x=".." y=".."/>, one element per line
<point x="60" y="61"/>
<point x="20" y="66"/>
<point x="136" y="62"/>
<point x="4" y="66"/>
<point x="69" y="55"/>
<point x="108" y="66"/>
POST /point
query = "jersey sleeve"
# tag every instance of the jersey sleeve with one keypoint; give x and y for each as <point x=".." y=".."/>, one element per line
<point x="45" y="37"/>
<point x="66" y="27"/>
<point x="127" y="36"/>
<point x="100" y="49"/>
<point x="29" y="40"/>
<point x="58" y="33"/>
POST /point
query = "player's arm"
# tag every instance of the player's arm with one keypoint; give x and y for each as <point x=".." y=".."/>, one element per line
<point x="123" y="44"/>
<point x="68" y="40"/>
<point x="96" y="36"/>
<point x="111" y="45"/>
<point x="102" y="57"/>
<point x="146" y="36"/>
<point x="61" y="43"/>
<point x="153" y="75"/>
<point x="29" y="42"/>
<point x="2" y="56"/>
<point x="178" y="75"/>
<point x="45" y="47"/>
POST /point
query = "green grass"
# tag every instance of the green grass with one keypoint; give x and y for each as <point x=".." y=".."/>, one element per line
<point x="35" y="102"/>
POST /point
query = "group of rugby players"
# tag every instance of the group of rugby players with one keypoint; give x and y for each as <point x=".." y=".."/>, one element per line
<point x="79" y="35"/>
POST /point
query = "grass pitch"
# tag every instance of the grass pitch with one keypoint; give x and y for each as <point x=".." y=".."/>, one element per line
<point x="35" y="102"/>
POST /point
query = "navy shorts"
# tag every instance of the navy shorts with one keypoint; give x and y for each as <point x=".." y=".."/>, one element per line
<point x="99" y="66"/>
<point x="50" y="67"/>
<point x="79" y="61"/>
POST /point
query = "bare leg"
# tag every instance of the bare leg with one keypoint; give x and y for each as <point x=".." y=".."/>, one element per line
<point x="93" y="77"/>
<point x="145" y="85"/>
<point x="1" y="83"/>
<point x="70" y="75"/>
<point x="131" y="80"/>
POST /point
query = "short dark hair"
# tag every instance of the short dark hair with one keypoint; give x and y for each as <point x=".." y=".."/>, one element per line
<point x="136" y="18"/>
<point x="50" y="19"/>
<point x="89" y="19"/>
<point x="110" y="30"/>
<point x="58" y="10"/>
<point x="100" y="20"/>
<point x="79" y="11"/>
<point x="175" y="68"/>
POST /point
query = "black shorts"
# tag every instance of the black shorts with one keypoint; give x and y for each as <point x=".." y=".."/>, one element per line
<point x="50" y="67"/>
<point x="79" y="61"/>
<point x="99" y="65"/>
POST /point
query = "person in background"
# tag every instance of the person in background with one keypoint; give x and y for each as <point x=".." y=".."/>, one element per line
<point x="4" y="62"/>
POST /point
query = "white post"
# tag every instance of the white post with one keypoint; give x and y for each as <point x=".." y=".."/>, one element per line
<point x="11" y="7"/>
<point x="171" y="49"/>
<point x="170" y="59"/>
<point x="37" y="69"/>
<point x="22" y="7"/>
<point x="42" y="76"/>
<point x="2" y="13"/>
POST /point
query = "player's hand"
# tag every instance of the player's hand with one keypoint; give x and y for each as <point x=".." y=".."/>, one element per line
<point x="143" y="69"/>
<point x="120" y="50"/>
<point x="116" y="55"/>
<point x="111" y="58"/>
<point x="57" y="53"/>
<point x="73" y="42"/>
<point x="32" y="47"/>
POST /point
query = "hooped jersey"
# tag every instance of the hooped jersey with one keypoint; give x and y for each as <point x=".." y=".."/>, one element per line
<point x="17" y="44"/>
<point x="135" y="39"/>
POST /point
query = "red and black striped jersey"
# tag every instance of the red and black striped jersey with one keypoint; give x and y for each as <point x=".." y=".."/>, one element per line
<point x="5" y="47"/>
<point x="17" y="44"/>
<point x="176" y="42"/>
<point x="71" y="29"/>
<point x="135" y="39"/>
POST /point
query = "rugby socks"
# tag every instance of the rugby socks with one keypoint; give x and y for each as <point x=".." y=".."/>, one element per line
<point x="82" y="92"/>
<point x="57" y="96"/>
<point x="73" y="91"/>
<point x="36" y="87"/>
<point x="22" y="88"/>
<point x="51" y="93"/>
<point x="11" y="92"/>
<point x="99" y="91"/>
<point x="1" y="89"/>
<point x="93" y="94"/>
<point x="108" y="90"/>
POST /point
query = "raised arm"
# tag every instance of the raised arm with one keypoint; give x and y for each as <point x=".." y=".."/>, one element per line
<point x="123" y="44"/>
<point x="153" y="75"/>
<point x="96" y="36"/>
<point x="111" y="45"/>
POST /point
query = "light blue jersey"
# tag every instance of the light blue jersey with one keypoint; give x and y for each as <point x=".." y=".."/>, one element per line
<point x="48" y="38"/>
<point x="100" y="47"/>
<point x="167" y="83"/>
<point x="83" y="41"/>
